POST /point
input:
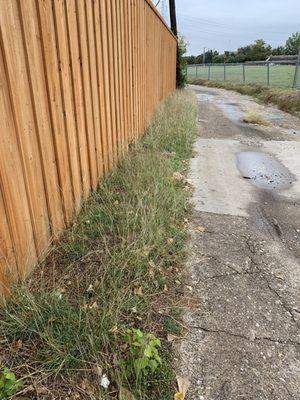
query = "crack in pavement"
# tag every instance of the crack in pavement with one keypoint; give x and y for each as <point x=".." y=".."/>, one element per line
<point x="256" y="338"/>
<point x="228" y="275"/>
<point x="272" y="289"/>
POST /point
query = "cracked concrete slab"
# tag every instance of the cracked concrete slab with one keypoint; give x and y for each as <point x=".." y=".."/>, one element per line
<point x="243" y="339"/>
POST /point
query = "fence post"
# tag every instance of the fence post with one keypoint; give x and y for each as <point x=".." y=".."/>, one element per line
<point x="244" y="74"/>
<point x="224" y="72"/>
<point x="268" y="74"/>
<point x="209" y="72"/>
<point x="196" y="71"/>
<point x="297" y="66"/>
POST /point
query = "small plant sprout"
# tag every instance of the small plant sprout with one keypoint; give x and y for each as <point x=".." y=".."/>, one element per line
<point x="143" y="355"/>
<point x="8" y="384"/>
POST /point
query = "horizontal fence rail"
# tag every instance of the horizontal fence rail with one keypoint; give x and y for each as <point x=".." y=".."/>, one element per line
<point x="80" y="80"/>
<point x="270" y="74"/>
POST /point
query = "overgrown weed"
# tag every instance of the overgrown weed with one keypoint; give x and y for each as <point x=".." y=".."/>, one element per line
<point x="252" y="117"/>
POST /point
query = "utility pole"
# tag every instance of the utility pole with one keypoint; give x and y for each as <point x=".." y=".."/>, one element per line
<point x="173" y="18"/>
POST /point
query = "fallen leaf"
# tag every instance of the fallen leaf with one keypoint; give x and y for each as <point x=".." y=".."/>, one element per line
<point x="183" y="385"/>
<point x="124" y="394"/>
<point x="83" y="384"/>
<point x="138" y="291"/>
<point x="40" y="390"/>
<point x="171" y="338"/>
<point x="90" y="289"/>
<point x="170" y="241"/>
<point x="94" y="306"/>
<point x="178" y="176"/>
<point x="114" y="329"/>
<point x="98" y="370"/>
<point x="201" y="229"/>
<point x="16" y="346"/>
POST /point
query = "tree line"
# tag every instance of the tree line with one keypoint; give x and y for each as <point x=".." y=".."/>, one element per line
<point x="257" y="51"/>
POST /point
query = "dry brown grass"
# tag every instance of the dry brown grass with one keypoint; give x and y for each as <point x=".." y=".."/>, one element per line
<point x="252" y="117"/>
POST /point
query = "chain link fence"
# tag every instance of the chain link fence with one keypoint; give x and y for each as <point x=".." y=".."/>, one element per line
<point x="270" y="74"/>
<point x="296" y="83"/>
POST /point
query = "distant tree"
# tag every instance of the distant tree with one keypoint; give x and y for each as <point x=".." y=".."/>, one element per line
<point x="292" y="44"/>
<point x="278" y="51"/>
<point x="229" y="57"/>
<point x="209" y="56"/>
<point x="244" y="54"/>
<point x="260" y="50"/>
<point x="257" y="51"/>
<point x="199" y="59"/>
<point x="190" y="59"/>
<point x="218" y="58"/>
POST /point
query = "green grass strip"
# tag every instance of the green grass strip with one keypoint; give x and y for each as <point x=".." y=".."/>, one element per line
<point x="119" y="266"/>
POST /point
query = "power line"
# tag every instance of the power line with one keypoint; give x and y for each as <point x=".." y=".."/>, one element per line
<point x="201" y="23"/>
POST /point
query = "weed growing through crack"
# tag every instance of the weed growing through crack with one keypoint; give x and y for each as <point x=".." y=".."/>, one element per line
<point x="114" y="270"/>
<point x="251" y="117"/>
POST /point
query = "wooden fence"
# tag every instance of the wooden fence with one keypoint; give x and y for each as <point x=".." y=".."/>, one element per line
<point x="79" y="80"/>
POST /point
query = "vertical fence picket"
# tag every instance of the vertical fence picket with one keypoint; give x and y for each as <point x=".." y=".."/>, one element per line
<point x="78" y="95"/>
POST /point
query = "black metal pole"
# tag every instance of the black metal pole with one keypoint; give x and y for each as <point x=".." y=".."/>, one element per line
<point x="173" y="18"/>
<point x="173" y="21"/>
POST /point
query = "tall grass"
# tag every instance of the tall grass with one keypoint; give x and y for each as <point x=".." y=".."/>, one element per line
<point x="116" y="267"/>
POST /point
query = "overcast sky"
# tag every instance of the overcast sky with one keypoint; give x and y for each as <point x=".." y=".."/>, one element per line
<point x="229" y="24"/>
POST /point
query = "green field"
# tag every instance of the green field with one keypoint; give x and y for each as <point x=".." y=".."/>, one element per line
<point x="279" y="75"/>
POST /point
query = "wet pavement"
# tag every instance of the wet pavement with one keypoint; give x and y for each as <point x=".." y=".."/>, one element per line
<point x="243" y="335"/>
<point x="264" y="171"/>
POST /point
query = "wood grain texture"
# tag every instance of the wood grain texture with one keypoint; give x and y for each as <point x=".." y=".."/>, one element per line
<point x="79" y="81"/>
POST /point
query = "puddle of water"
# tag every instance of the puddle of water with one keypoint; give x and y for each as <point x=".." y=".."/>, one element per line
<point x="232" y="111"/>
<point x="293" y="132"/>
<point x="205" y="96"/>
<point x="274" y="117"/>
<point x="264" y="171"/>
